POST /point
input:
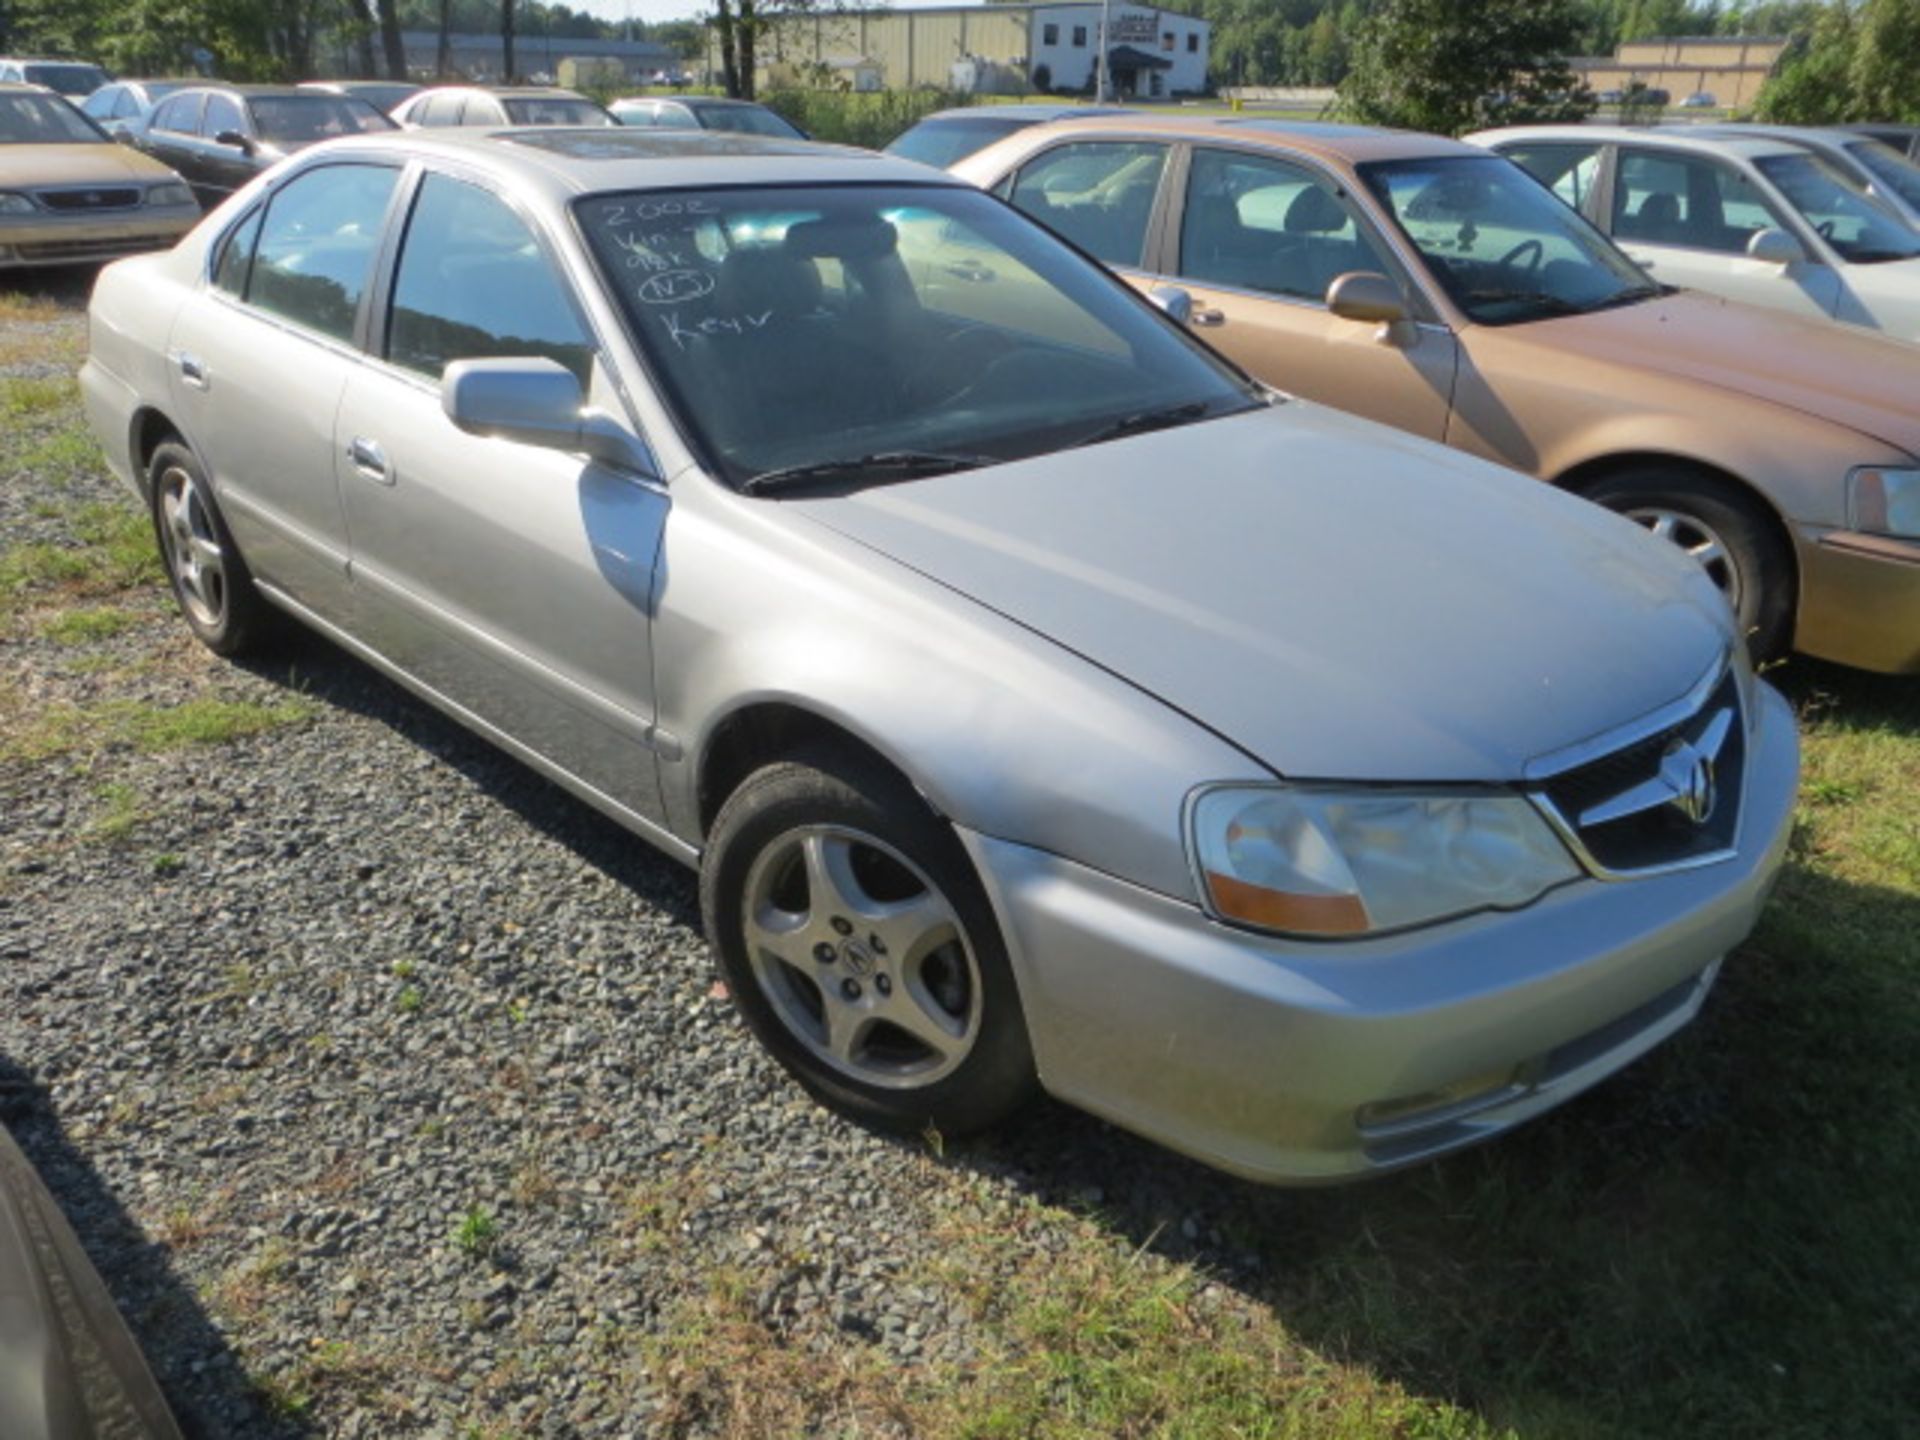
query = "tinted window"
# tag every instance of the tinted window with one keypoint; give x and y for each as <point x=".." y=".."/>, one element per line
<point x="317" y="245"/>
<point x="236" y="260"/>
<point x="555" y="111"/>
<point x="677" y="117"/>
<point x="1890" y="169"/>
<point x="222" y="114"/>
<point x="74" y="80"/>
<point x="473" y="282"/>
<point x="1098" y="195"/>
<point x="1691" y="201"/>
<point x="1264" y="224"/>
<point x="303" y="119"/>
<point x="941" y="142"/>
<point x="29" y="119"/>
<point x="1567" y="170"/>
<point x="180" y="114"/>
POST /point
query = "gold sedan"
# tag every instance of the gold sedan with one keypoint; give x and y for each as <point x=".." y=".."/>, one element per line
<point x="70" y="196"/>
<point x="1426" y="284"/>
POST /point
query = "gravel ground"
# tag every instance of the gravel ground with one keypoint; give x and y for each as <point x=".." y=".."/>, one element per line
<point x="392" y="1089"/>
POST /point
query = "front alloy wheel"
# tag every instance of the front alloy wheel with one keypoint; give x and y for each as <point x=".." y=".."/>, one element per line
<point x="859" y="944"/>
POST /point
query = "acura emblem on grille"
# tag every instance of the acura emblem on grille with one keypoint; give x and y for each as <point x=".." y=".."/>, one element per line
<point x="1689" y="774"/>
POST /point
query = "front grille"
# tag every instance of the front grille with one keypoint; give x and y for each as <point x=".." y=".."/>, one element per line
<point x="1666" y="799"/>
<point x="90" y="198"/>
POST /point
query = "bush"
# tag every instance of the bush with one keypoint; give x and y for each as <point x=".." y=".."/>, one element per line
<point x="872" y="120"/>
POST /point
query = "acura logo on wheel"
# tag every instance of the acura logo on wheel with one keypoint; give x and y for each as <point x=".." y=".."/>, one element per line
<point x="1689" y="775"/>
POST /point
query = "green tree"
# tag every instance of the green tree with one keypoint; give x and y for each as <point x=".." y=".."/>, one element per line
<point x="1813" y="84"/>
<point x="1450" y="66"/>
<point x="1883" y="80"/>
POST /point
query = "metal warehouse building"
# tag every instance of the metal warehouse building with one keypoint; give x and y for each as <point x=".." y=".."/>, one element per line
<point x="997" y="48"/>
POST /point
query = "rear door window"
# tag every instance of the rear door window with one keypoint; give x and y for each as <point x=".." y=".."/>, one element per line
<point x="317" y="245"/>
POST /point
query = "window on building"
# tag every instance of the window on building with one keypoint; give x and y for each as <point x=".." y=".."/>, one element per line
<point x="1079" y="37"/>
<point x="1166" y="41"/>
<point x="1193" y="42"/>
<point x="1049" y="34"/>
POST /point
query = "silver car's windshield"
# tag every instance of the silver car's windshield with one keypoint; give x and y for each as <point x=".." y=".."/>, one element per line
<point x="1847" y="218"/>
<point x="1500" y="243"/>
<point x="887" y="329"/>
<point x="1889" y="168"/>
<point x="27" y="119"/>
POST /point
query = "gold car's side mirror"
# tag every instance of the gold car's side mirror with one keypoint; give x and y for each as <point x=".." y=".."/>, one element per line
<point x="1367" y="296"/>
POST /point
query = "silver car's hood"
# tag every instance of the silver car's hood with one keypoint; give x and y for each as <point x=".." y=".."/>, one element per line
<point x="1336" y="598"/>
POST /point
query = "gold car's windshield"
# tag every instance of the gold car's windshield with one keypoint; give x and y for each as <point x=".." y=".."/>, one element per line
<point x="877" y="332"/>
<point x="29" y="119"/>
<point x="1501" y="244"/>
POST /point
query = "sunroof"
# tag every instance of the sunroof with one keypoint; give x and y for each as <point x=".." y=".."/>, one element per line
<point x="599" y="143"/>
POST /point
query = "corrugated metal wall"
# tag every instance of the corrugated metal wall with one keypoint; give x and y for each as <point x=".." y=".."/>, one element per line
<point x="911" y="47"/>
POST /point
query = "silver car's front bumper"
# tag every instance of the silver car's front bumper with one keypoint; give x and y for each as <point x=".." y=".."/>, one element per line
<point x="1300" y="1062"/>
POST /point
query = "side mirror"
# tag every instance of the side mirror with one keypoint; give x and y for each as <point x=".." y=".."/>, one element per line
<point x="1177" y="303"/>
<point x="1775" y="247"/>
<point x="536" y="401"/>
<point x="1366" y="296"/>
<point x="236" y="140"/>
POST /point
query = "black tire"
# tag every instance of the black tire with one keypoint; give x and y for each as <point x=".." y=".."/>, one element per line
<point x="846" y="798"/>
<point x="1758" y="558"/>
<point x="218" y="600"/>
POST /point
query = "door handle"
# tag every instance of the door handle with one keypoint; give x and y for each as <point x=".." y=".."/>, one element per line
<point x="370" y="460"/>
<point x="192" y="371"/>
<point x="1207" y="318"/>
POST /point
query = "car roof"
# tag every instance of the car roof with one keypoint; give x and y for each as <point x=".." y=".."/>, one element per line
<point x="1707" y="139"/>
<point x="562" y="161"/>
<point x="523" y="92"/>
<point x="251" y="92"/>
<point x="1354" y="144"/>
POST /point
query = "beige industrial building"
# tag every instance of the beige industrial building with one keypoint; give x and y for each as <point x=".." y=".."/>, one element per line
<point x="988" y="48"/>
<point x="1731" y="68"/>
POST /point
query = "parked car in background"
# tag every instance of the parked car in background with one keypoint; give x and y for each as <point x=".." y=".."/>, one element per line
<point x="705" y="112"/>
<point x="1903" y="138"/>
<point x="1869" y="165"/>
<point x="949" y="135"/>
<point x="122" y="107"/>
<point x="1427" y="284"/>
<point x="1751" y="218"/>
<point x="69" y="195"/>
<point x="72" y="1370"/>
<point x="443" y="105"/>
<point x="965" y="651"/>
<point x="385" y="95"/>
<point x="1699" y="100"/>
<point x="75" y="79"/>
<point x="220" y="136"/>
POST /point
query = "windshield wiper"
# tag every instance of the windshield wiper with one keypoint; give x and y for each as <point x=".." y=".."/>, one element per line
<point x="1549" y="304"/>
<point x="1141" y="421"/>
<point x="1876" y="257"/>
<point x="876" y="469"/>
<point x="1629" y="296"/>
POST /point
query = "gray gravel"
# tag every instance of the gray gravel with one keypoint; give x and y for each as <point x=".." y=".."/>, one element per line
<point x="330" y="991"/>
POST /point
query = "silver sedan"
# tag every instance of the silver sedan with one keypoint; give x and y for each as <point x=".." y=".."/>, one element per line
<point x="1043" y="702"/>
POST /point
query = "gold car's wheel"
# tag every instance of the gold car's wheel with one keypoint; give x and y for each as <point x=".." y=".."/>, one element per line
<point x="210" y="580"/>
<point x="1727" y="532"/>
<point x="860" y="946"/>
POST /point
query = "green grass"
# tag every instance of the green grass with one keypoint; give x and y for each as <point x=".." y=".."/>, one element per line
<point x="56" y="730"/>
<point x="110" y="551"/>
<point x="88" y="624"/>
<point x="122" y="812"/>
<point x="25" y="399"/>
<point x="477" y="1231"/>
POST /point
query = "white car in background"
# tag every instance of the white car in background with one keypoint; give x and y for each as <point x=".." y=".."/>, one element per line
<point x="1752" y="218"/>
<point x="1872" y="165"/>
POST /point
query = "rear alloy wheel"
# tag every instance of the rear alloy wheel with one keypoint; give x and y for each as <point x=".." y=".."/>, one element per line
<point x="861" y="949"/>
<point x="1725" y="533"/>
<point x="210" y="580"/>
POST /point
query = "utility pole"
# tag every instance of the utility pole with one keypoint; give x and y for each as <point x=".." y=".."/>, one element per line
<point x="1106" y="44"/>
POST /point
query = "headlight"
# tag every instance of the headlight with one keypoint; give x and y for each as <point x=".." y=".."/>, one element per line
<point x="1884" y="502"/>
<point x="1322" y="863"/>
<point x="170" y="192"/>
<point x="15" y="204"/>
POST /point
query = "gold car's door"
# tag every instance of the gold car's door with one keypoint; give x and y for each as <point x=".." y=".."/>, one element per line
<point x="1260" y="239"/>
